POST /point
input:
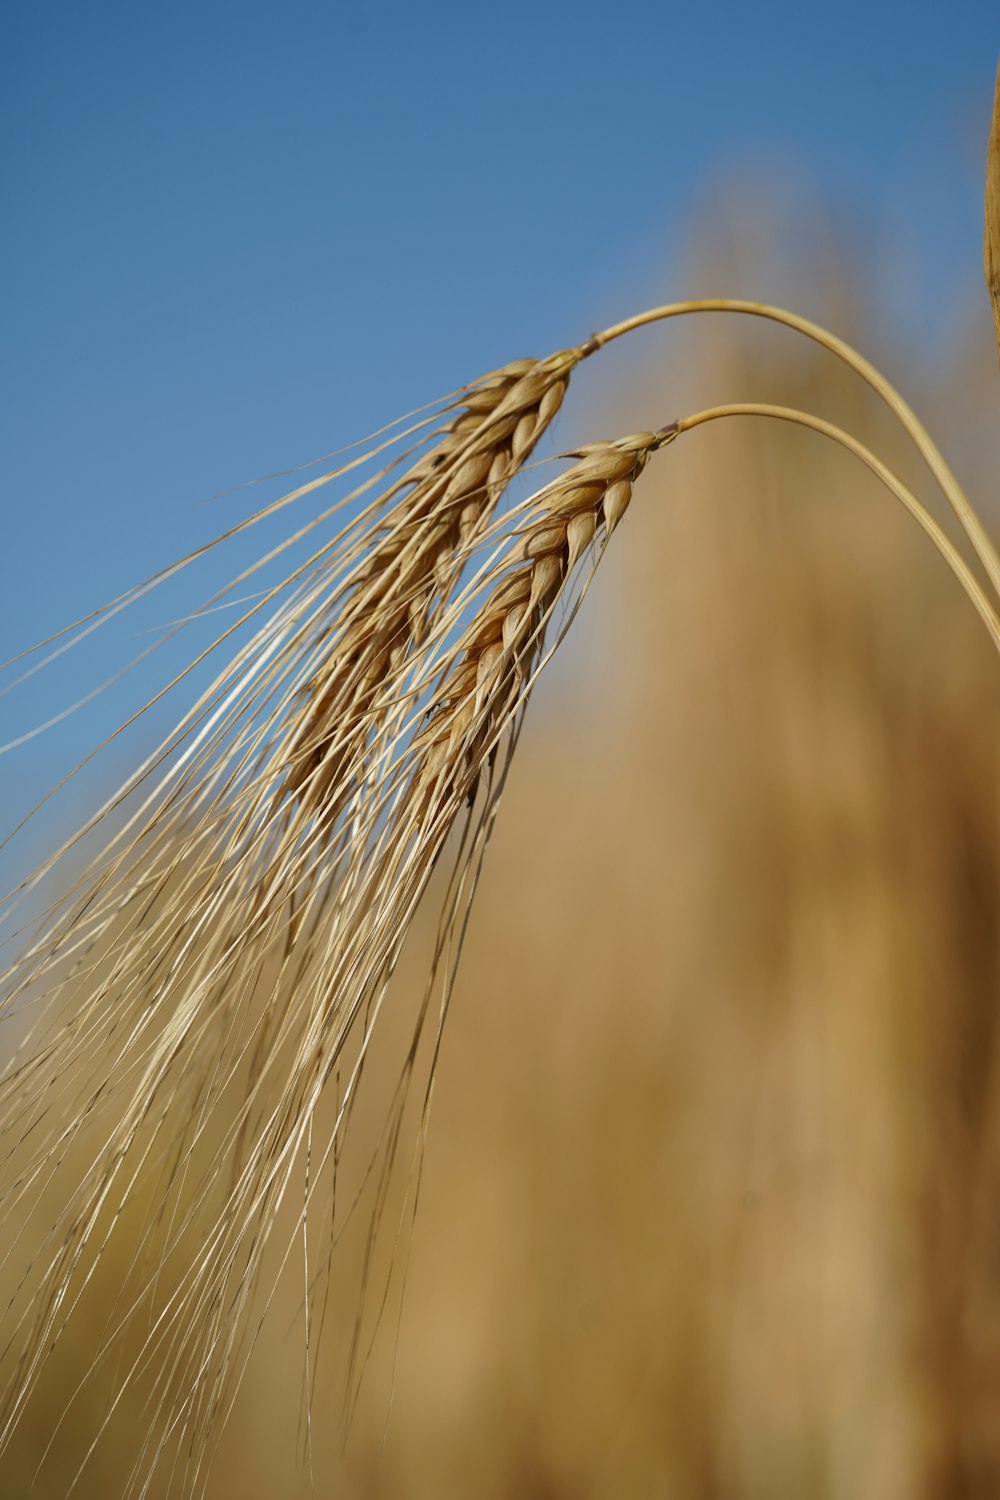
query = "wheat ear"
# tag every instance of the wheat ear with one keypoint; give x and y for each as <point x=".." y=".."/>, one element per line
<point x="410" y="569"/>
<point x="177" y="911"/>
<point x="489" y="682"/>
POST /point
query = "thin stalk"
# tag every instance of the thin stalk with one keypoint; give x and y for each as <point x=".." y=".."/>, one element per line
<point x="950" y="487"/>
<point x="952" y="557"/>
<point x="991" y="214"/>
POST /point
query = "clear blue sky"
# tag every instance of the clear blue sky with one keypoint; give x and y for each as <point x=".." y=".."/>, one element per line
<point x="238" y="235"/>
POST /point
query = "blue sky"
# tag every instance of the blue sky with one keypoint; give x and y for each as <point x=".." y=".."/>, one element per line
<point x="239" y="235"/>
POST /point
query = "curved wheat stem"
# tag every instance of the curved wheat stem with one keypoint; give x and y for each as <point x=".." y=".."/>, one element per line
<point x="986" y="611"/>
<point x="925" y="445"/>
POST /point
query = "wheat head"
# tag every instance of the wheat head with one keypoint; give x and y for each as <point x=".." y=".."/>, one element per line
<point x="220" y="970"/>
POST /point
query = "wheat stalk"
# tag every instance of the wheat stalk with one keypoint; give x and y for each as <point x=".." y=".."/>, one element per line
<point x="230" y="952"/>
<point x="991" y="227"/>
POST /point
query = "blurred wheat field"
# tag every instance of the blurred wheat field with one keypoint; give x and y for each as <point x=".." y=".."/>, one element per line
<point x="709" y="1205"/>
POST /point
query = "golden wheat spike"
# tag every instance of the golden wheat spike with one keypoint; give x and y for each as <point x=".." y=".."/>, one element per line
<point x="410" y="568"/>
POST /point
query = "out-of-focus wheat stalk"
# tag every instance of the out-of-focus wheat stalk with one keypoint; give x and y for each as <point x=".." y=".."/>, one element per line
<point x="991" y="232"/>
<point x="223" y="965"/>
